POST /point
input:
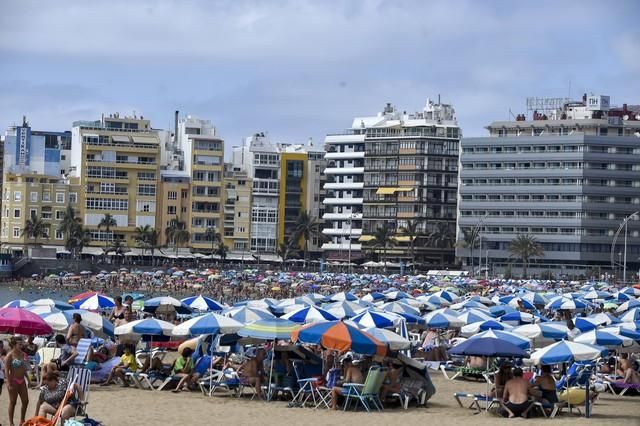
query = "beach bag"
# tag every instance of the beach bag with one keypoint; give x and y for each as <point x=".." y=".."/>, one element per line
<point x="38" y="421"/>
<point x="72" y="422"/>
<point x="573" y="396"/>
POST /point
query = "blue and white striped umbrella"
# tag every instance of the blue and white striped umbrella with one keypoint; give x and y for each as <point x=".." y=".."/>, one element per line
<point x="207" y="324"/>
<point x="57" y="304"/>
<point x="379" y="319"/>
<point x="469" y="304"/>
<point x="631" y="291"/>
<point x="506" y="336"/>
<point x="602" y="338"/>
<point x="517" y="301"/>
<point x="534" y="298"/>
<point x="373" y="297"/>
<point x="481" y="299"/>
<point x="203" y="304"/>
<point x="245" y="314"/>
<point x="62" y="320"/>
<point x="500" y="310"/>
<point x="441" y="320"/>
<point x="447" y="295"/>
<point x="339" y="297"/>
<point x="166" y="303"/>
<point x="400" y="308"/>
<point x="474" y="315"/>
<point x="18" y="304"/>
<point x="397" y="295"/>
<point x="95" y="302"/>
<point x="621" y="331"/>
<point x="632" y="315"/>
<point x="585" y="323"/>
<point x="479" y="326"/>
<point x="518" y="318"/>
<point x="596" y="294"/>
<point x="344" y="309"/>
<point x="566" y="304"/>
<point x="566" y="351"/>
<point x="145" y="327"/>
<point x="412" y="319"/>
<point x="434" y="300"/>
<point x="542" y="331"/>
<point x="629" y="304"/>
<point x="41" y="310"/>
<point x="621" y="297"/>
<point x="309" y="314"/>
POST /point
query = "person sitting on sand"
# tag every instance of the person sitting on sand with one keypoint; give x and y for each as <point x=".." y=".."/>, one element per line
<point x="392" y="382"/>
<point x="127" y="364"/>
<point x="351" y="374"/>
<point x="251" y="372"/>
<point x="183" y="367"/>
<point x="516" y="395"/>
<point x="53" y="393"/>
<point x="625" y="363"/>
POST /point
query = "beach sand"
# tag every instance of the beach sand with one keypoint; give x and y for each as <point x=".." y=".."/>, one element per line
<point x="116" y="406"/>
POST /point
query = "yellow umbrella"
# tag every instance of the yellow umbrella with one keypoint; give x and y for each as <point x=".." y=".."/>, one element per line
<point x="275" y="288"/>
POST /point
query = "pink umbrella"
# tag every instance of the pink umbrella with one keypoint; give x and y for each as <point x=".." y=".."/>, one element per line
<point x="20" y="321"/>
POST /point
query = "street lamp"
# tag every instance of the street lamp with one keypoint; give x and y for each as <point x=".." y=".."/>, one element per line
<point x="351" y="217"/>
<point x="623" y="263"/>
<point x="475" y="231"/>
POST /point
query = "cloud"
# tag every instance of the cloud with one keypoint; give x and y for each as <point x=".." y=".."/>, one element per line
<point x="306" y="68"/>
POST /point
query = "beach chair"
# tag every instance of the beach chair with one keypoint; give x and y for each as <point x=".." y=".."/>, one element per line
<point x="466" y="372"/>
<point x="307" y="387"/>
<point x="43" y="421"/>
<point x="324" y="391"/>
<point x="476" y="399"/>
<point x="622" y="387"/>
<point x="226" y="379"/>
<point x="81" y="376"/>
<point x="367" y="392"/>
<point x="82" y="349"/>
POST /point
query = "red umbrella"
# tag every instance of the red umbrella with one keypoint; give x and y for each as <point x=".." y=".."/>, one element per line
<point x="82" y="296"/>
<point x="20" y="321"/>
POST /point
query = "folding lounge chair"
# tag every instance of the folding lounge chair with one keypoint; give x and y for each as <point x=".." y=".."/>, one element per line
<point x="367" y="392"/>
<point x="622" y="387"/>
<point x="200" y="366"/>
<point x="476" y="399"/>
<point x="82" y="377"/>
<point x="307" y="387"/>
<point x="82" y="349"/>
<point x="466" y="372"/>
<point x="226" y="379"/>
<point x="324" y="392"/>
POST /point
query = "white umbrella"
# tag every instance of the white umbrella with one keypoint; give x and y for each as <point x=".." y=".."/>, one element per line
<point x="393" y="340"/>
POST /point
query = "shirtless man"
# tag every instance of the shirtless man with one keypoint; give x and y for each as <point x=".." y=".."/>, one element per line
<point x="252" y="371"/>
<point x="516" y="395"/>
<point x="625" y="364"/>
<point x="76" y="331"/>
<point x="392" y="381"/>
<point x="352" y="374"/>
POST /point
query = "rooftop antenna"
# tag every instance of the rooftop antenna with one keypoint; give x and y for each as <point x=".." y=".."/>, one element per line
<point x="511" y="114"/>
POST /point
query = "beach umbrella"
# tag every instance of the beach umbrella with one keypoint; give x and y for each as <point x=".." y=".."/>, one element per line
<point x="629" y="304"/>
<point x="58" y="304"/>
<point x="379" y="319"/>
<point x="506" y="336"/>
<point x="474" y="315"/>
<point x="339" y="297"/>
<point x="40" y="310"/>
<point x="373" y="297"/>
<point x="165" y="304"/>
<point x="393" y="340"/>
<point x="434" y="300"/>
<point x="441" y="320"/>
<point x="632" y="315"/>
<point x="517" y="301"/>
<point x="484" y="300"/>
<point x="621" y="297"/>
<point x="316" y="297"/>
<point x="309" y="314"/>
<point x="488" y="346"/>
<point x="567" y="351"/>
<point x="336" y="335"/>
<point x="468" y="304"/>
<point x="621" y="331"/>
<point x="18" y="304"/>
<point x="269" y="329"/>
<point x="210" y="323"/>
<point x="400" y="308"/>
<point x="81" y="296"/>
<point x="631" y="291"/>
<point x="565" y="303"/>
<point x="202" y="303"/>
<point x="145" y="327"/>
<point x="95" y="302"/>
<point x="62" y="320"/>
<point x="586" y="324"/>
<point x="533" y="298"/>
<point x="518" y="318"/>
<point x="344" y="309"/>
<point x="479" y="326"/>
<point x="596" y="294"/>
<point x="499" y="310"/>
<point x="245" y="314"/>
<point x="447" y="295"/>
<point x="21" y="321"/>
<point x="397" y="295"/>
<point x="542" y="331"/>
<point x="603" y="338"/>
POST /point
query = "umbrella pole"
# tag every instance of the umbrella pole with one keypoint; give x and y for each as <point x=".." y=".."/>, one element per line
<point x="273" y="356"/>
<point x="487" y="386"/>
<point x="211" y="366"/>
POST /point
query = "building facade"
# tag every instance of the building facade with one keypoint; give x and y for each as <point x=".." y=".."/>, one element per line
<point x="237" y="212"/>
<point x="566" y="174"/>
<point x="117" y="160"/>
<point x="292" y="200"/>
<point x="174" y="200"/>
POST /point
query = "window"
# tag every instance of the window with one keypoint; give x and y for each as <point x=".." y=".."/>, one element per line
<point x="59" y="235"/>
<point x="17" y="195"/>
<point x="172" y="195"/>
<point x="33" y="213"/>
<point x="171" y="210"/>
<point x="16" y="213"/>
<point x="46" y="196"/>
<point x="145" y="189"/>
<point x="33" y="197"/>
<point x="184" y="193"/>
<point x="146" y="176"/>
<point x="60" y="197"/>
<point x="73" y="198"/>
<point x="106" y="204"/>
<point x="59" y="214"/>
<point x="16" y="232"/>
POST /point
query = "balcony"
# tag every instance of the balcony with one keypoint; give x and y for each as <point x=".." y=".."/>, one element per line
<point x="342" y="231"/>
<point x="343" y="201"/>
<point x="343" y="155"/>
<point x="344" y="170"/>
<point x="344" y="185"/>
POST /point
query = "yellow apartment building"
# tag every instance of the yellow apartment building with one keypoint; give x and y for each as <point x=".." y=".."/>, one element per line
<point x="293" y="186"/>
<point x="237" y="210"/>
<point x="174" y="200"/>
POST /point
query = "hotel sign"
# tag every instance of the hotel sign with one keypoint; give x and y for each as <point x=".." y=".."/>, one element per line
<point x="23" y="145"/>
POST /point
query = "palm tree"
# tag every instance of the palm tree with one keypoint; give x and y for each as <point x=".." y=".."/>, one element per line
<point x="153" y="243"/>
<point x="307" y="227"/>
<point x="141" y="235"/>
<point x="35" y="228"/>
<point x="77" y="239"/>
<point x="69" y="223"/>
<point x="213" y="236"/>
<point x="524" y="247"/>
<point x="177" y="233"/>
<point x="470" y="239"/>
<point x="411" y="231"/>
<point x="442" y="236"/>
<point x="383" y="238"/>
<point x="107" y="222"/>
<point x="285" y="250"/>
<point x="118" y="247"/>
<point x="222" y="252"/>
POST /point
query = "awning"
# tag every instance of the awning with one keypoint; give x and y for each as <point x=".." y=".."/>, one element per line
<point x="144" y="139"/>
<point x="366" y="238"/>
<point x="386" y="191"/>
<point x="402" y="238"/>
<point x="404" y="189"/>
<point x="120" y="138"/>
<point x="94" y="251"/>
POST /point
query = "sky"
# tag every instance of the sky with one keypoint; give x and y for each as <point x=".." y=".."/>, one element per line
<point x="301" y="69"/>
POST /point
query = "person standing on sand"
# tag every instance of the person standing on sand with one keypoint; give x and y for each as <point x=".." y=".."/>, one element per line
<point x="76" y="331"/>
<point x="15" y="371"/>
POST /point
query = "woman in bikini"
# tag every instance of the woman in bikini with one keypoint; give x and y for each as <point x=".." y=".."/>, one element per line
<point x="15" y="371"/>
<point x="118" y="313"/>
